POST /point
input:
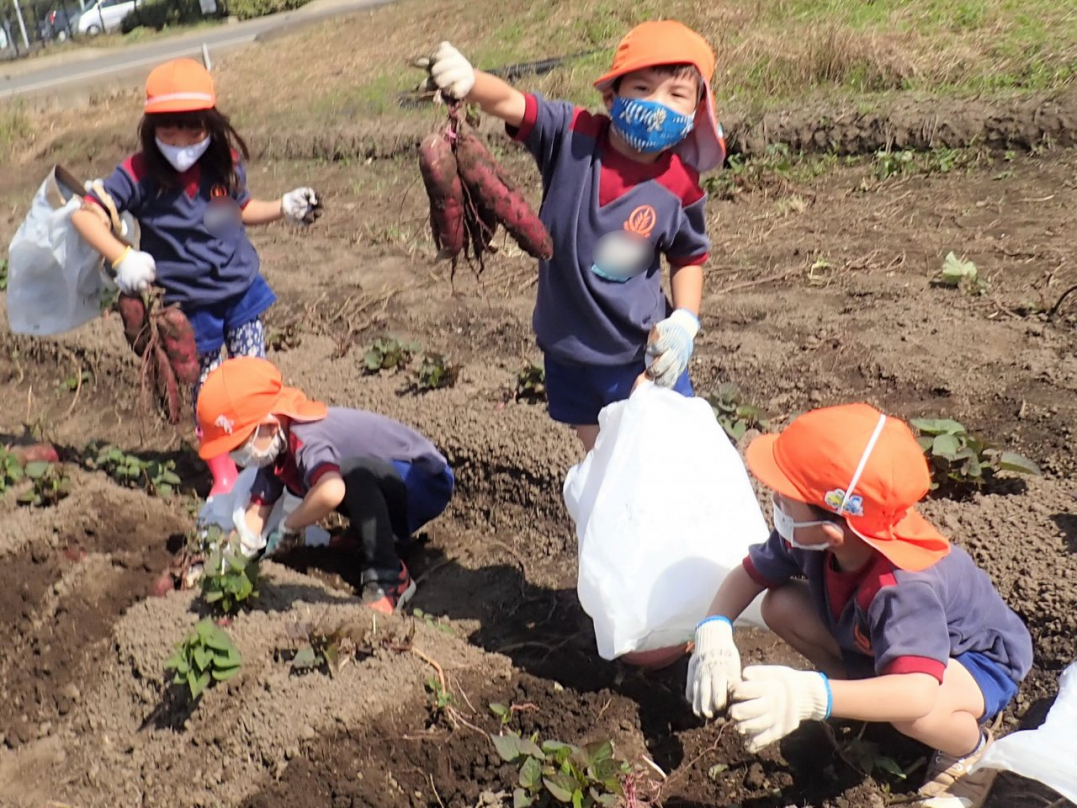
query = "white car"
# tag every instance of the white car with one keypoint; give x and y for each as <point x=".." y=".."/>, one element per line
<point x="105" y="16"/>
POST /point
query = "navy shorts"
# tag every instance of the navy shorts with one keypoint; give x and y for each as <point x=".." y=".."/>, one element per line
<point x="428" y="494"/>
<point x="994" y="680"/>
<point x="211" y="323"/>
<point x="577" y="393"/>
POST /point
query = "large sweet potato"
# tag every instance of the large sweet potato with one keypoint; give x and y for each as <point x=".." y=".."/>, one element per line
<point x="487" y="186"/>
<point x="438" y="166"/>
<point x="179" y="343"/>
<point x="167" y="387"/>
<point x="136" y="322"/>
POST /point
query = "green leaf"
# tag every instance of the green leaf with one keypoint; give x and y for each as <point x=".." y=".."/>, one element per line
<point x="520" y="799"/>
<point x="202" y="657"/>
<point x="227" y="659"/>
<point x="305" y="658"/>
<point x="27" y="497"/>
<point x="531" y="774"/>
<point x="1011" y="461"/>
<point x="164" y="491"/>
<point x="561" y="786"/>
<point x="36" y="469"/>
<point x="223" y="675"/>
<point x="212" y="596"/>
<point x="508" y="746"/>
<point x="605" y="769"/>
<point x="171" y="478"/>
<point x="890" y="766"/>
<point x="555" y="746"/>
<point x="500" y="710"/>
<point x="938" y="426"/>
<point x="955" y="270"/>
<point x="598" y="752"/>
<point x="577" y="799"/>
<point x="219" y="641"/>
<point x="946" y="446"/>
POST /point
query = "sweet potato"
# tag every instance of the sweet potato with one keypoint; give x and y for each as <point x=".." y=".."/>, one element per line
<point x="167" y="387"/>
<point x="178" y="338"/>
<point x="438" y="166"/>
<point x="481" y="225"/>
<point x="136" y="322"/>
<point x="487" y="185"/>
<point x="35" y="452"/>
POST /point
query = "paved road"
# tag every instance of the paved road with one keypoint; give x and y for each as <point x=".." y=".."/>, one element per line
<point x="135" y="58"/>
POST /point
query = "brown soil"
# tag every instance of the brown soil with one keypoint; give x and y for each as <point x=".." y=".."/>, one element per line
<point x="820" y="291"/>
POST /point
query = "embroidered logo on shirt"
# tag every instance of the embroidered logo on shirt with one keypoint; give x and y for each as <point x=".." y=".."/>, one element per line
<point x="854" y="507"/>
<point x="225" y="423"/>
<point x="641" y="221"/>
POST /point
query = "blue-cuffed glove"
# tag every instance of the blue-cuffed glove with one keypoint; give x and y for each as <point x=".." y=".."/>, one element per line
<point x="282" y="539"/>
<point x="714" y="667"/>
<point x="772" y="700"/>
<point x="670" y="347"/>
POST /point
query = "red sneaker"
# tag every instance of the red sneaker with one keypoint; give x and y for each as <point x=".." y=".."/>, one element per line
<point x="387" y="591"/>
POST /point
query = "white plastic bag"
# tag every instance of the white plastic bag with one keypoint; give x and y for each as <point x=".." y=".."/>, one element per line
<point x="228" y="511"/>
<point x="663" y="511"/>
<point x="1049" y="752"/>
<point x="55" y="279"/>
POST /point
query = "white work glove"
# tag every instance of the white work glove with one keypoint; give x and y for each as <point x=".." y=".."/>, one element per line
<point x="670" y="347"/>
<point x="135" y="271"/>
<point x="714" y="667"/>
<point x="451" y="73"/>
<point x="772" y="700"/>
<point x="302" y="206"/>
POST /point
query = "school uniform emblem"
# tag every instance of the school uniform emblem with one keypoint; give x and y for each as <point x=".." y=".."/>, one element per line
<point x="222" y="213"/>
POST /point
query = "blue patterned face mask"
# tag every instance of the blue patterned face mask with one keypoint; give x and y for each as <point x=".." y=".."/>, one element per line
<point x="648" y="126"/>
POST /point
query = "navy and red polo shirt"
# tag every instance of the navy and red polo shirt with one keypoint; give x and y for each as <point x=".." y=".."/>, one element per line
<point x="888" y="620"/>
<point x="318" y="447"/>
<point x="611" y="220"/>
<point x="198" y="265"/>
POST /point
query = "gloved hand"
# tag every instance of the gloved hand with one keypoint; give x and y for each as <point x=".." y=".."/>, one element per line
<point x="282" y="539"/>
<point x="670" y="345"/>
<point x="450" y="72"/>
<point x="714" y="667"/>
<point x="301" y="206"/>
<point x="135" y="271"/>
<point x="772" y="700"/>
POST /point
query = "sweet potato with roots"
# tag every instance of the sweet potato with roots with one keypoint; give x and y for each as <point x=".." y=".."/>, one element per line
<point x="438" y="166"/>
<point x="179" y="343"/>
<point x="136" y="321"/>
<point x="487" y="186"/>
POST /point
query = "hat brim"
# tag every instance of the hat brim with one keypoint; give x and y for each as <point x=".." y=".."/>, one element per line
<point x="913" y="544"/>
<point x="189" y="102"/>
<point x="291" y="403"/>
<point x="763" y="465"/>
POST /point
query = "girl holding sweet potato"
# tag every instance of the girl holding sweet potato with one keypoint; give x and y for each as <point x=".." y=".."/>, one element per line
<point x="187" y="188"/>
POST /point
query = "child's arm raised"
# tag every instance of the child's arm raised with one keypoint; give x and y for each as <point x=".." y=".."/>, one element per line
<point x="453" y="74"/>
<point x="135" y="270"/>
<point x="302" y="206"/>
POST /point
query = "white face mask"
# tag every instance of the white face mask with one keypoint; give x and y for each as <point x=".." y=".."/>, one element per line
<point x="182" y="158"/>
<point x="247" y="455"/>
<point x="786" y="527"/>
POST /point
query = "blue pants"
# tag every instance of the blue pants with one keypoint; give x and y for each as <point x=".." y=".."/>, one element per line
<point x="995" y="683"/>
<point x="428" y="494"/>
<point x="577" y="393"/>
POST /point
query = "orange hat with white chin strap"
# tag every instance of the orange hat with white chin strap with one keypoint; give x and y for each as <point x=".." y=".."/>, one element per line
<point x="666" y="42"/>
<point x="238" y="396"/>
<point x="863" y="465"/>
<point x="182" y="85"/>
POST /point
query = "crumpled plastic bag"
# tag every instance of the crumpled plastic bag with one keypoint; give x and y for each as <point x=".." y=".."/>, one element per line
<point x="664" y="511"/>
<point x="1049" y="752"/>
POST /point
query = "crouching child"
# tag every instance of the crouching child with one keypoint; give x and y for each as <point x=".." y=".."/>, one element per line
<point x="901" y="626"/>
<point x="388" y="479"/>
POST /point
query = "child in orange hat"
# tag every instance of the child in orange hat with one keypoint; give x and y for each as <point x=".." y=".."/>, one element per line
<point x="619" y="192"/>
<point x="902" y="626"/>
<point x="385" y="477"/>
<point x="187" y="187"/>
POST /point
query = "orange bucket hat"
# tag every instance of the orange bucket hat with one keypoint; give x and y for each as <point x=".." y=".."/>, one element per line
<point x="238" y="396"/>
<point x="859" y="463"/>
<point x="667" y="42"/>
<point x="182" y="85"/>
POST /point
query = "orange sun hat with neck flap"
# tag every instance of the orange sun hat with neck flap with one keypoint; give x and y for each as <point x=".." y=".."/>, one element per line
<point x="857" y="462"/>
<point x="181" y="85"/>
<point x="238" y="396"/>
<point x="667" y="42"/>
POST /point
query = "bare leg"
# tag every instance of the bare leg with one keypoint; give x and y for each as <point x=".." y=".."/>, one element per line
<point x="953" y="725"/>
<point x="789" y="612"/>
<point x="588" y="434"/>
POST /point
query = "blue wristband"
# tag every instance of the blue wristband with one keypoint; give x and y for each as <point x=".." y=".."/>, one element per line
<point x="829" y="695"/>
<point x="724" y="619"/>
